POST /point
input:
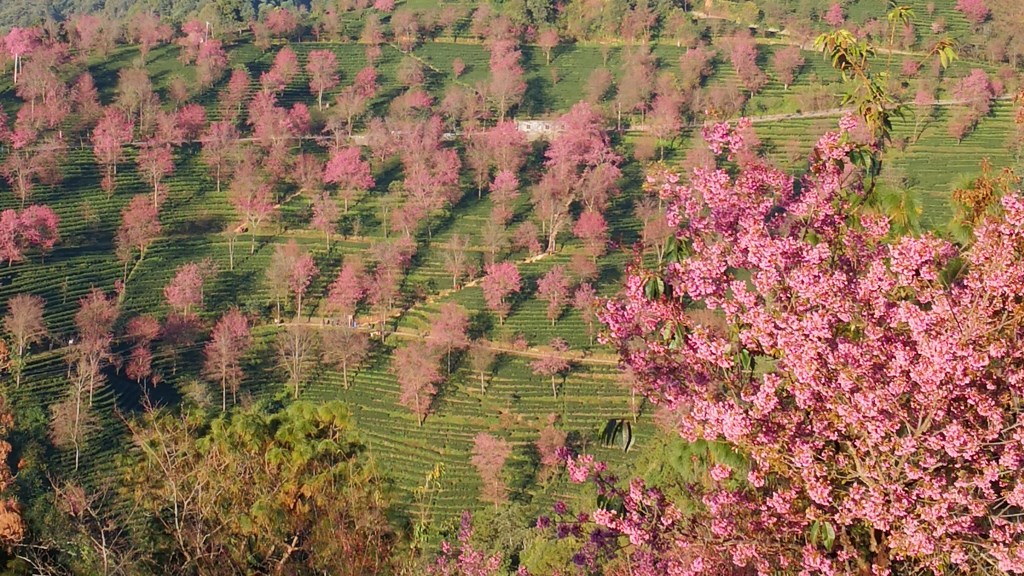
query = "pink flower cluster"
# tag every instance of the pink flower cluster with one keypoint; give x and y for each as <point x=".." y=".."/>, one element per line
<point x="873" y="382"/>
<point x="467" y="560"/>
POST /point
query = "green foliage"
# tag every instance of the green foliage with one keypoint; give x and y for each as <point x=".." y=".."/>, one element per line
<point x="618" y="433"/>
<point x="238" y="492"/>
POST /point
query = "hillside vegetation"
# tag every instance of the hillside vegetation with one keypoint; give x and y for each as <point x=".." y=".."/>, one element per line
<point x="403" y="199"/>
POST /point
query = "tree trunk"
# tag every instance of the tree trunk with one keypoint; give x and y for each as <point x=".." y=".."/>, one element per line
<point x="19" y="366"/>
<point x="78" y="419"/>
<point x="552" y="241"/>
<point x="92" y="385"/>
<point x="554" y="391"/>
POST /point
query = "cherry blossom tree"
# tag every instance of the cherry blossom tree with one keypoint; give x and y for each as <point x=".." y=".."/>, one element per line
<point x="493" y="239"/>
<point x="297" y="348"/>
<point x="290" y="272"/>
<point x="31" y="160"/>
<point x="178" y="91"/>
<point x="307" y="172"/>
<point x="820" y="347"/>
<point x="94" y="322"/>
<point x="382" y="289"/>
<point x="553" y="288"/>
<point x="179" y="333"/>
<point x="26" y="326"/>
<point x="467" y="560"/>
<point x="155" y="161"/>
<point x="786" y="62"/>
<point x="507" y="85"/>
<point x="112" y="133"/>
<point x="275" y="129"/>
<point x="456" y="257"/>
<point x="581" y="165"/>
<point x="85" y="100"/>
<point x="211" y="63"/>
<point x="229" y="342"/>
<point x="525" y="238"/>
<point x="220" y="147"/>
<point x="87" y="355"/>
<point x="500" y="281"/>
<point x="506" y="146"/>
<point x="141" y="332"/>
<point x="345" y="347"/>
<point x="504" y="193"/>
<point x="190" y="120"/>
<point x="482" y="356"/>
<point x="478" y="159"/>
<point x="146" y="30"/>
<point x="347" y="289"/>
<point x="489" y="456"/>
<point x="834" y="16"/>
<point x="976" y="11"/>
<point x="184" y="293"/>
<point x="549" y="444"/>
<point x="548" y="40"/>
<point x="599" y="82"/>
<point x="38" y="227"/>
<point x="553" y="363"/>
<point x="193" y="36"/>
<point x="351" y="103"/>
<point x="325" y="215"/>
<point x="584" y="301"/>
<point x="135" y="95"/>
<point x="140" y="226"/>
<point x="234" y="94"/>
<point x="592" y="229"/>
<point x="417" y="373"/>
<point x="303" y="272"/>
<point x="282" y="22"/>
<point x="974" y="92"/>
<point x="251" y="195"/>
<point x="91" y="34"/>
<point x="636" y="84"/>
<point x="282" y="71"/>
<point x="35" y="227"/>
<point x="406" y="29"/>
<point x="350" y="172"/>
<point x="448" y="330"/>
<point x="18" y="42"/>
<point x="743" y="55"/>
<point x="322" y="67"/>
<point x="666" y="119"/>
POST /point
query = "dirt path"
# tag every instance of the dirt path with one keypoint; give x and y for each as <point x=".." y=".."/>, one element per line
<point x="535" y="352"/>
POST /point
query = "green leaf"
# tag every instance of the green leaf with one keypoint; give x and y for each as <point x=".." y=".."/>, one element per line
<point x="654" y="288"/>
<point x="611" y="430"/>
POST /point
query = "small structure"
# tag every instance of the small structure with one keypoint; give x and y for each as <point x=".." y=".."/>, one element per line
<point x="537" y="129"/>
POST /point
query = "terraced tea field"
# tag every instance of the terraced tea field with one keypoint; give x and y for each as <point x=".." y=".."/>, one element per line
<point x="515" y="404"/>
